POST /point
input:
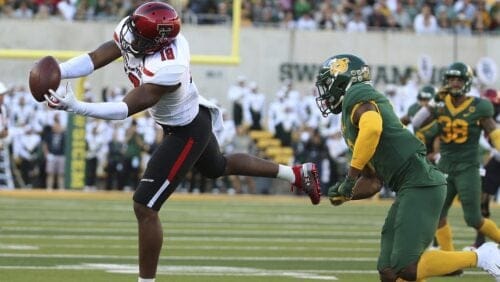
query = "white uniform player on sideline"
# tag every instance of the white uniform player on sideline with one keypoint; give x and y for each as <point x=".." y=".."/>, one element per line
<point x="156" y="60"/>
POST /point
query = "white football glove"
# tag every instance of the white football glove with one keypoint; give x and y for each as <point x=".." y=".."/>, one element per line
<point x="62" y="101"/>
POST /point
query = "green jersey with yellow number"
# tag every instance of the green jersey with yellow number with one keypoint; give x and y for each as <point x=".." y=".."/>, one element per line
<point x="459" y="132"/>
<point x="396" y="144"/>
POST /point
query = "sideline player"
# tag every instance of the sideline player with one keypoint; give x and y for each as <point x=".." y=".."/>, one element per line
<point x="427" y="134"/>
<point x="156" y="60"/>
<point x="461" y="120"/>
<point x="378" y="140"/>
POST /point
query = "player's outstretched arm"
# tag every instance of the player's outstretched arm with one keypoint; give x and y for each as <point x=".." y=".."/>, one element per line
<point x="85" y="64"/>
<point x="137" y="100"/>
<point x="105" y="54"/>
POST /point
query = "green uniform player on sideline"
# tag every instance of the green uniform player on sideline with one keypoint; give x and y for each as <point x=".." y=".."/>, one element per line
<point x="378" y="140"/>
<point x="461" y="120"/>
<point x="427" y="134"/>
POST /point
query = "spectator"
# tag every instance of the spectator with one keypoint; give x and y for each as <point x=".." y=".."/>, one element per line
<point x="202" y="9"/>
<point x="392" y="24"/>
<point x="24" y="11"/>
<point x="67" y="9"/>
<point x="482" y="19"/>
<point x="43" y="12"/>
<point x="466" y="7"/>
<point x="412" y="9"/>
<point x="339" y="18"/>
<point x="356" y="24"/>
<point x="306" y="22"/>
<point x="253" y="107"/>
<point x="425" y="22"/>
<point x="53" y="149"/>
<point x="4" y="119"/>
<point x="236" y="94"/>
<point x="324" y="17"/>
<point x="288" y="21"/>
<point x="132" y="156"/>
<point x="402" y="17"/>
<point x="114" y="166"/>
<point x="302" y="7"/>
<point x="446" y="9"/>
<point x="377" y="19"/>
<point x="462" y="25"/>
<point x="444" y="22"/>
<point x="495" y="18"/>
<point x="94" y="144"/>
<point x="26" y="147"/>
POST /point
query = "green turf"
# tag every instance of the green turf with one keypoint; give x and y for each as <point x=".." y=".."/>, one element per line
<point x="46" y="237"/>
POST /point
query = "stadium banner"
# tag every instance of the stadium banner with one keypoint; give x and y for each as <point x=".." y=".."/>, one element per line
<point x="76" y="148"/>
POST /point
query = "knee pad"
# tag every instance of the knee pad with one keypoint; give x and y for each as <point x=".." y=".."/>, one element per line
<point x="409" y="273"/>
<point x="387" y="275"/>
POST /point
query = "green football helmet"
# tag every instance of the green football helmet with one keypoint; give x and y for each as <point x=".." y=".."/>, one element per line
<point x="462" y="71"/>
<point x="427" y="92"/>
<point x="336" y="75"/>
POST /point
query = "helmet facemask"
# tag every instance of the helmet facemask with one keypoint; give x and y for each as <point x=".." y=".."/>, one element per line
<point x="331" y="93"/>
<point x="134" y="43"/>
<point x="335" y="77"/>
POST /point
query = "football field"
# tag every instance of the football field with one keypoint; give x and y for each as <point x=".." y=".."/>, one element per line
<point x="77" y="236"/>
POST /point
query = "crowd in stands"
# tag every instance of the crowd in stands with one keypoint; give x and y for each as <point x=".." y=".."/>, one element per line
<point x="463" y="17"/>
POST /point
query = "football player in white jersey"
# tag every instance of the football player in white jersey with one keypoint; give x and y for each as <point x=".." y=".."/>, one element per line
<point x="157" y="61"/>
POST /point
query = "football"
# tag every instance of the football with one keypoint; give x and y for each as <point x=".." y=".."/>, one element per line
<point x="44" y="75"/>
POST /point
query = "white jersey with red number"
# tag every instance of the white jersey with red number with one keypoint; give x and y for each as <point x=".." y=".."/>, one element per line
<point x="169" y="66"/>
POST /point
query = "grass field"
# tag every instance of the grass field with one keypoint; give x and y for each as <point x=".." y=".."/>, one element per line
<point x="76" y="236"/>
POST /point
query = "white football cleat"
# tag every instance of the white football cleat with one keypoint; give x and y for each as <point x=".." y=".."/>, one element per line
<point x="488" y="258"/>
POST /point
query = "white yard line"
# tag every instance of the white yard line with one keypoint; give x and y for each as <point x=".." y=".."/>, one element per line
<point x="205" y="247"/>
<point x="209" y="258"/>
<point x="18" y="247"/>
<point x="195" y="237"/>
<point x="211" y="270"/>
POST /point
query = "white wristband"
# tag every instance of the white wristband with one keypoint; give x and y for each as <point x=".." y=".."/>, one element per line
<point x="107" y="110"/>
<point x="77" y="67"/>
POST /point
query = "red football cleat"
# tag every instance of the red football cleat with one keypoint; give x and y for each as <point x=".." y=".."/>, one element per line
<point x="306" y="179"/>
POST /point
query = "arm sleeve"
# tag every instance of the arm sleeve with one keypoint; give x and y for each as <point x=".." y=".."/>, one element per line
<point x="77" y="67"/>
<point x="370" y="129"/>
<point x="105" y="110"/>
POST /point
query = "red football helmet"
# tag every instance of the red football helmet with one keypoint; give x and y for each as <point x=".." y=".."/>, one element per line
<point x="492" y="95"/>
<point x="153" y="26"/>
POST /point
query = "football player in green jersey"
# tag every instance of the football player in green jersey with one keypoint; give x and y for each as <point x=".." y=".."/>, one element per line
<point x="377" y="139"/>
<point x="428" y="134"/>
<point x="461" y="120"/>
<point x="424" y="96"/>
